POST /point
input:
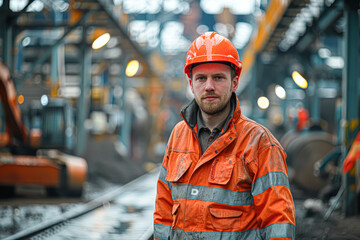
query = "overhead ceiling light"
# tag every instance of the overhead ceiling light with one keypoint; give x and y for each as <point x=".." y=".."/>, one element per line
<point x="263" y="102"/>
<point x="100" y="40"/>
<point x="44" y="100"/>
<point x="141" y="6"/>
<point x="280" y="92"/>
<point x="26" y="41"/>
<point x="211" y="6"/>
<point x="132" y="68"/>
<point x="335" y="62"/>
<point x="242" y="34"/>
<point x="324" y="52"/>
<point x="216" y="7"/>
<point x="299" y="80"/>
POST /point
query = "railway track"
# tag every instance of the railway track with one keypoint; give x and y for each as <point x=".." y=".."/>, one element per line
<point x="123" y="213"/>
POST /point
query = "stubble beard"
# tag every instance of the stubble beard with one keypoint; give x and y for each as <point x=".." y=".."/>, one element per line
<point x="212" y="109"/>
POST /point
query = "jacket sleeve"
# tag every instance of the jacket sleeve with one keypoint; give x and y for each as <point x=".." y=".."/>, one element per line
<point x="274" y="205"/>
<point x="163" y="205"/>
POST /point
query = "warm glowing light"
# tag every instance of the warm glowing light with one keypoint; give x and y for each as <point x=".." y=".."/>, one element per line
<point x="21" y="99"/>
<point x="263" y="102"/>
<point x="101" y="41"/>
<point x="132" y="68"/>
<point x="280" y="92"/>
<point x="299" y="80"/>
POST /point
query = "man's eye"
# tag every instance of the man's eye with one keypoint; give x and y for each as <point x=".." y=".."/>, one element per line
<point x="201" y="78"/>
<point x="218" y="78"/>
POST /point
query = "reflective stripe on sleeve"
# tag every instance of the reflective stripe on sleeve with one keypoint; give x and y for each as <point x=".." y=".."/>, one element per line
<point x="278" y="230"/>
<point x="162" y="177"/>
<point x="212" y="194"/>
<point x="161" y="231"/>
<point x="269" y="180"/>
<point x="179" y="234"/>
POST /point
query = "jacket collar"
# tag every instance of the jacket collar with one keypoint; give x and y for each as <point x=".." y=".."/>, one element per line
<point x="189" y="112"/>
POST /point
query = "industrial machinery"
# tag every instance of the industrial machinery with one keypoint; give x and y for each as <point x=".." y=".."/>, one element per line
<point x="304" y="150"/>
<point x="32" y="156"/>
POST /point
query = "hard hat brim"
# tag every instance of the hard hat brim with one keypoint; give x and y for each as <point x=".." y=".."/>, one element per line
<point x="213" y="58"/>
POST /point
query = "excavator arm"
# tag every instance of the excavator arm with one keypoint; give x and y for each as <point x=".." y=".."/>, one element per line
<point x="12" y="110"/>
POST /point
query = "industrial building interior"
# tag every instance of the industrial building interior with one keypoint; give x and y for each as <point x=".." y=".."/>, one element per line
<point x="91" y="89"/>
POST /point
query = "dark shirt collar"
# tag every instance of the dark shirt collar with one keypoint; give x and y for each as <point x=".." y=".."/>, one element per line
<point x="189" y="112"/>
<point x="201" y="126"/>
<point x="220" y="126"/>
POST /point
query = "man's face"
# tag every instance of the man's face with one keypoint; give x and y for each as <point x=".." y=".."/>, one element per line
<point x="212" y="86"/>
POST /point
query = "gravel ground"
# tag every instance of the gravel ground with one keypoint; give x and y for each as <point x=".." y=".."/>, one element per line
<point x="310" y="223"/>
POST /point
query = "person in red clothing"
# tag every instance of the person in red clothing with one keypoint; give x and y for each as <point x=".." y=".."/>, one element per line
<point x="223" y="175"/>
<point x="302" y="119"/>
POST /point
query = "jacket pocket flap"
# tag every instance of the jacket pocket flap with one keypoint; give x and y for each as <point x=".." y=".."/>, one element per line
<point x="175" y="208"/>
<point x="180" y="165"/>
<point x="225" y="213"/>
<point x="221" y="170"/>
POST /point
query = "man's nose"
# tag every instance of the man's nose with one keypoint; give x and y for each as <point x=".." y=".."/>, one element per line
<point x="209" y="85"/>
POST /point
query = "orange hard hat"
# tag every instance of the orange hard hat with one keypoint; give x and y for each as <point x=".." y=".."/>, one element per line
<point x="212" y="47"/>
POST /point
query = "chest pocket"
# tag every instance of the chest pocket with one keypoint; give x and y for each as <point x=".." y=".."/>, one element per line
<point x="221" y="170"/>
<point x="179" y="167"/>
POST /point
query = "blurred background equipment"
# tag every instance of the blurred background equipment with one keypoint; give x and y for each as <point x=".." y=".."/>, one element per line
<point x="103" y="80"/>
<point x="24" y="160"/>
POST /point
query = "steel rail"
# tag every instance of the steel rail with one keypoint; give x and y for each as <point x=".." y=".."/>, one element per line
<point x="82" y="210"/>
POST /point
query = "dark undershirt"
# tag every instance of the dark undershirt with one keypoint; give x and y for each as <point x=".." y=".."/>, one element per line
<point x="206" y="137"/>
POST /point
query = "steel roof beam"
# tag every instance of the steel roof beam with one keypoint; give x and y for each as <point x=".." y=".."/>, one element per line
<point x="327" y="18"/>
<point x="134" y="46"/>
<point x="46" y="25"/>
<point x="49" y="50"/>
<point x="22" y="10"/>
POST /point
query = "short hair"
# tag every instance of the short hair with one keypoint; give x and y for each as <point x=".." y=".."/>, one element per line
<point x="232" y="67"/>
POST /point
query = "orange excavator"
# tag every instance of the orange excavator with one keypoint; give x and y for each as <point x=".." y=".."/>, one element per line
<point x="24" y="161"/>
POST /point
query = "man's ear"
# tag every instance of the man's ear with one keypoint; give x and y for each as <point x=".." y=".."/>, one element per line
<point x="235" y="82"/>
<point x="191" y="86"/>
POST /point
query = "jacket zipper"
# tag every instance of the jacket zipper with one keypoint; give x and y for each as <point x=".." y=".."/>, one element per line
<point x="187" y="187"/>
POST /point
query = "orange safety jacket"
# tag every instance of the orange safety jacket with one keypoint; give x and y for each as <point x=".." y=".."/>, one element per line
<point x="237" y="189"/>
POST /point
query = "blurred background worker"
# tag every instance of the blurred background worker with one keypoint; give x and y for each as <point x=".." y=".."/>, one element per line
<point x="223" y="176"/>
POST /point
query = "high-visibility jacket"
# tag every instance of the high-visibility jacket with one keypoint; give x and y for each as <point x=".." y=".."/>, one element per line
<point x="237" y="189"/>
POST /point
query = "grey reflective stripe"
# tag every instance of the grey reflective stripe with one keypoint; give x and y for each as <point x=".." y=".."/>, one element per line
<point x="212" y="194"/>
<point x="179" y="234"/>
<point x="162" y="176"/>
<point x="162" y="231"/>
<point x="278" y="230"/>
<point x="269" y="180"/>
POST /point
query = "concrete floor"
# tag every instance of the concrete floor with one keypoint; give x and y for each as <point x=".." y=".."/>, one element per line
<point x="104" y="163"/>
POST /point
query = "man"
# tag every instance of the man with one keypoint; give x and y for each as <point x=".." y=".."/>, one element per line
<point x="223" y="175"/>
